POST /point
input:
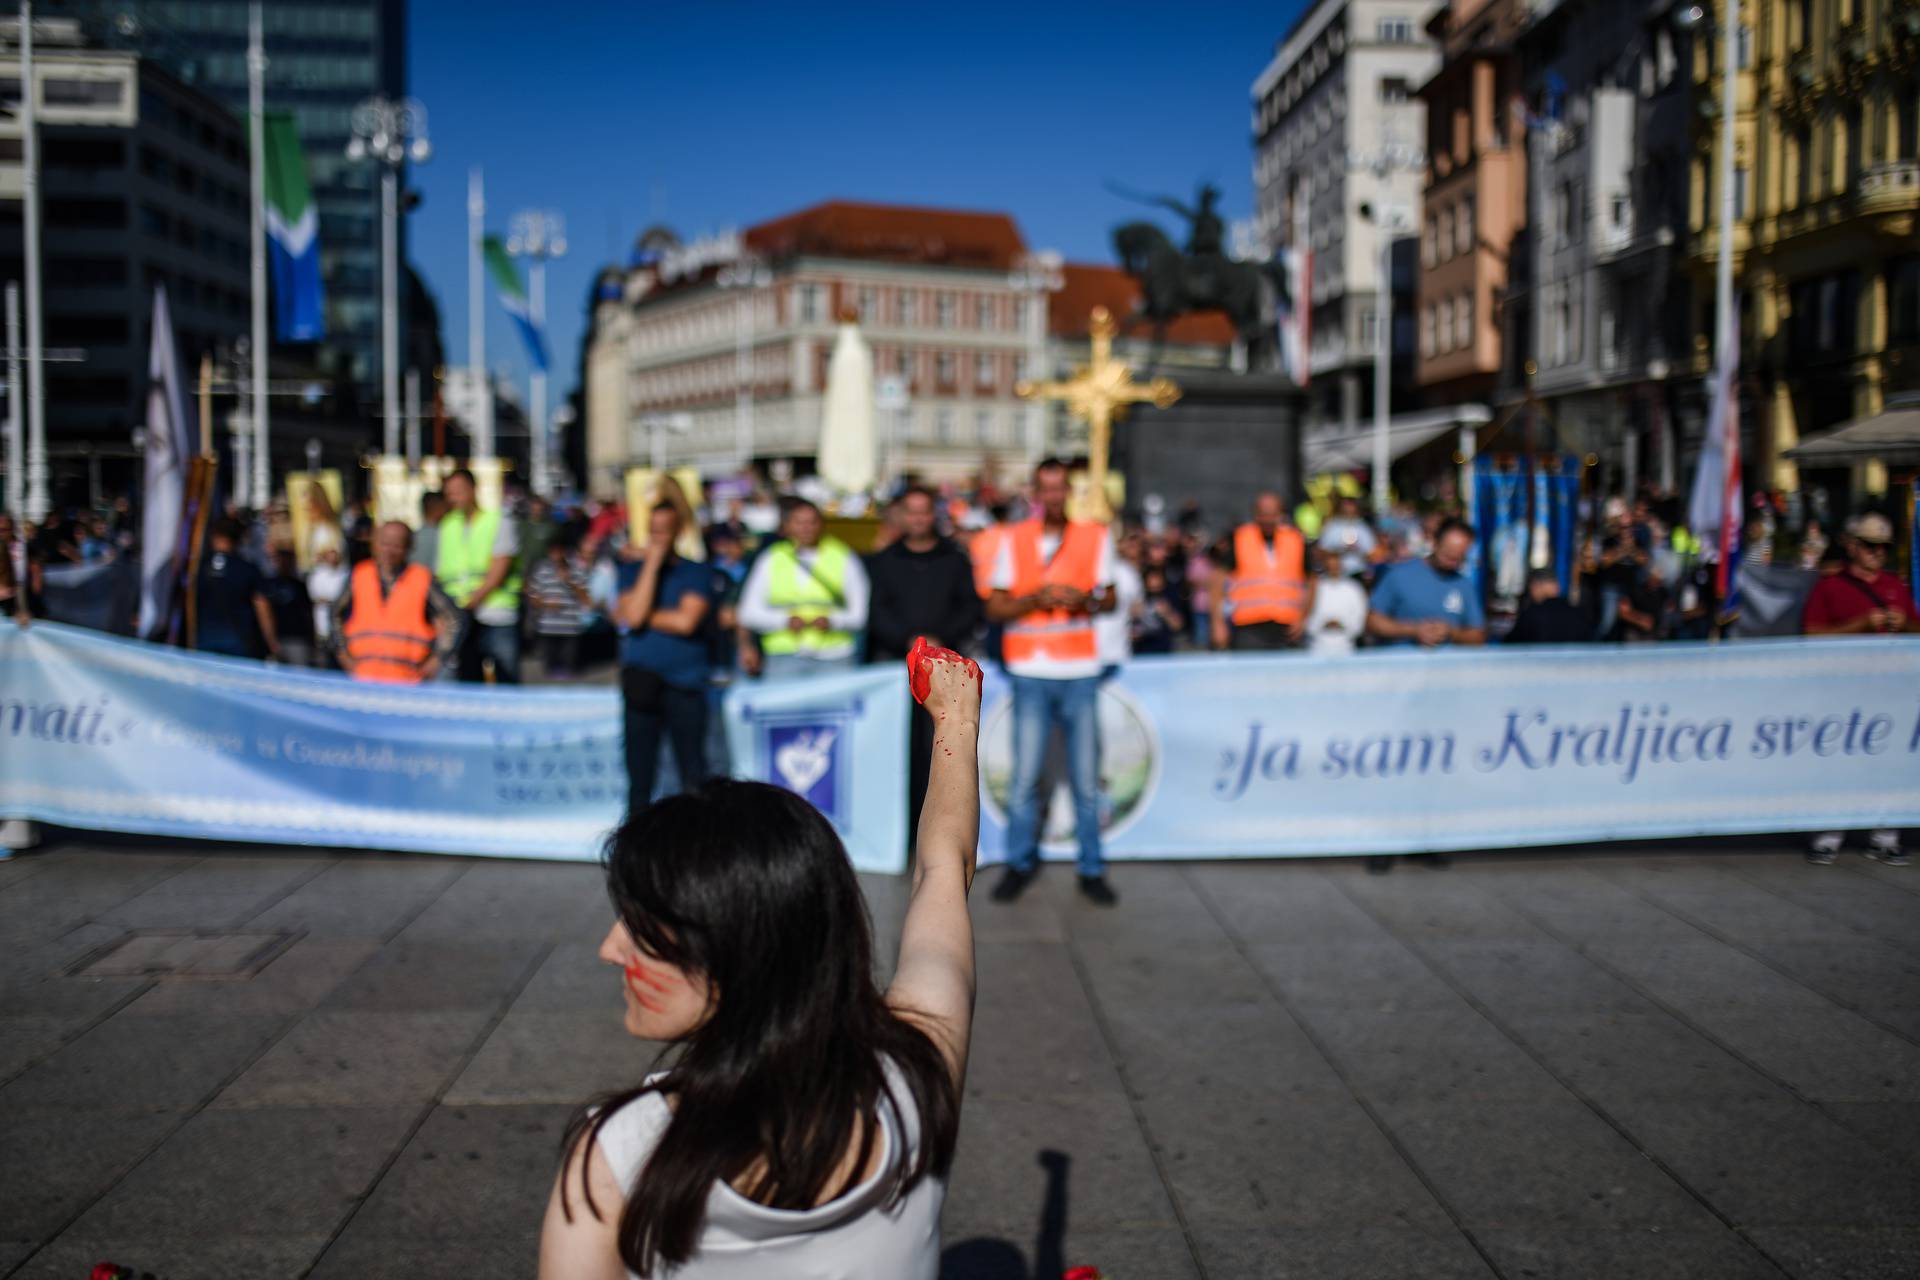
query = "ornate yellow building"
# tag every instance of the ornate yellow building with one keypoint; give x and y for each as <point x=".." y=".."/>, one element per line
<point x="1827" y="182"/>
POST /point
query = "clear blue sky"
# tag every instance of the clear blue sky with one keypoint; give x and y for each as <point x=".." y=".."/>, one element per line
<point x="713" y="115"/>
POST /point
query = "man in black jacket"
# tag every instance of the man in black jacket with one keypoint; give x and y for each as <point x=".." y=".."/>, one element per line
<point x="922" y="585"/>
<point x="1547" y="617"/>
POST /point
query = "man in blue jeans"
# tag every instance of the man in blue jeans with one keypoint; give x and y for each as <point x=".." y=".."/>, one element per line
<point x="664" y="611"/>
<point x="1050" y="577"/>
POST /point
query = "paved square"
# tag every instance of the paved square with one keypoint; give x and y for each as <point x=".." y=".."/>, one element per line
<point x="1698" y="1063"/>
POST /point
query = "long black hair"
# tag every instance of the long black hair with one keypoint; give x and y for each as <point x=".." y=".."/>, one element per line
<point x="747" y="885"/>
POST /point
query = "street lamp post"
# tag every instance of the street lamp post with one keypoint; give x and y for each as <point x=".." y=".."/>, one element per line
<point x="1694" y="17"/>
<point x="1038" y="275"/>
<point x="537" y="235"/>
<point x="38" y="500"/>
<point x="391" y="133"/>
<point x="746" y="275"/>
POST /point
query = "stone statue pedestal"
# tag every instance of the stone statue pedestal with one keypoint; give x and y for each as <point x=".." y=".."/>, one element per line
<point x="1229" y="437"/>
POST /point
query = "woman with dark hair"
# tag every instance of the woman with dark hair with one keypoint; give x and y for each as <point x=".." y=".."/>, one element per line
<point x="805" y="1121"/>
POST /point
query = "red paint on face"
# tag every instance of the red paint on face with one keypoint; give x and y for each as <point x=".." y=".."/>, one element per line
<point x="920" y="662"/>
<point x="646" y="985"/>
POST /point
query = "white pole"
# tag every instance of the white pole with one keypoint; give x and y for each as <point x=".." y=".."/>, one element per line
<point x="413" y="419"/>
<point x="242" y="450"/>
<point x="256" y="113"/>
<point x="1382" y="365"/>
<point x="38" y="501"/>
<point x="477" y="317"/>
<point x="390" y="305"/>
<point x="16" y="441"/>
<point x="1037" y="410"/>
<point x="1723" y="281"/>
<point x="743" y="377"/>
<point x="537" y="446"/>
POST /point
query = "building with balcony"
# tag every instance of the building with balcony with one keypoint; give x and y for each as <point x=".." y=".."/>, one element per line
<point x="1338" y="134"/>
<point x="1827" y="197"/>
<point x="721" y="346"/>
<point x="1596" y="315"/>
<point x="1474" y="198"/>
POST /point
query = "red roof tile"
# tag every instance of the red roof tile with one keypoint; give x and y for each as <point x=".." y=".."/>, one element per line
<point x="893" y="233"/>
<point x="1088" y="286"/>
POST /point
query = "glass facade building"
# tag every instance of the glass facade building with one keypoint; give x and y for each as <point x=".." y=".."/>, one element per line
<point x="323" y="58"/>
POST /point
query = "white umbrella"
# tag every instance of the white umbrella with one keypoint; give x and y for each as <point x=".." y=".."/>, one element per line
<point x="846" y="425"/>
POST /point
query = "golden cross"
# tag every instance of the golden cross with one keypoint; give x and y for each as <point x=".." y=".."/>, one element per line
<point x="1100" y="392"/>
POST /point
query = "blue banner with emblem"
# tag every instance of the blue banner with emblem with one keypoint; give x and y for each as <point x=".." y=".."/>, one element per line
<point x="840" y="740"/>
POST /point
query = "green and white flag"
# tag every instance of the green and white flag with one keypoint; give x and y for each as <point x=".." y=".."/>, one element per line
<point x="293" y="232"/>
<point x="513" y="297"/>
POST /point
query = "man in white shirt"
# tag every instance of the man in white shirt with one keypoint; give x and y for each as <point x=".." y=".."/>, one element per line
<point x="806" y="600"/>
<point x="1349" y="534"/>
<point x="1051" y="579"/>
<point x="1339" y="615"/>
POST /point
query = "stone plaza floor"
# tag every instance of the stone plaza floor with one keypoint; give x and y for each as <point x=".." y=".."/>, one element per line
<point x="1694" y="1061"/>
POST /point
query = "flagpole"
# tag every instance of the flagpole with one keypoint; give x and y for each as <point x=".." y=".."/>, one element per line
<point x="16" y="441"/>
<point x="256" y="111"/>
<point x="477" y="317"/>
<point x="38" y="500"/>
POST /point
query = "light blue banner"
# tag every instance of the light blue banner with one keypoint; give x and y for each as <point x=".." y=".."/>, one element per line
<point x="109" y="734"/>
<point x="1396" y="752"/>
<point x="840" y="741"/>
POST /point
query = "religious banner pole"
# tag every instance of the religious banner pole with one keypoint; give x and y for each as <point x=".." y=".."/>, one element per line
<point x="1100" y="393"/>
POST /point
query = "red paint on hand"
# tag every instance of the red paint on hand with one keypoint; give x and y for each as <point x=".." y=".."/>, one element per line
<point x="1082" y="1273"/>
<point x="920" y="660"/>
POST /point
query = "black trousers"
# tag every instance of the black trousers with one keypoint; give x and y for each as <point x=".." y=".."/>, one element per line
<point x="654" y="708"/>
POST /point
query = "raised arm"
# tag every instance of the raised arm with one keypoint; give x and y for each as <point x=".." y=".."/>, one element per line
<point x="934" y="982"/>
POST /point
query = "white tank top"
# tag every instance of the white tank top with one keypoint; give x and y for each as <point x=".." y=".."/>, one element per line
<point x="854" y="1237"/>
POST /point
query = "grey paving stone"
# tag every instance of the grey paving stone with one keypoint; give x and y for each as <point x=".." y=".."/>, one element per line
<point x="975" y="1253"/>
<point x="1776" y="1162"/>
<point x="1286" y="902"/>
<point x="1858" y="973"/>
<point x="1583" y="909"/>
<point x="553" y="1058"/>
<point x="1218" y="1049"/>
<point x="1857" y="902"/>
<point x="359" y="1059"/>
<point x="216" y="893"/>
<point x="572" y="979"/>
<point x="1380" y="976"/>
<point x="1843" y="1253"/>
<point x="560" y="902"/>
<point x="362" y="897"/>
<point x="69" y="895"/>
<point x="1627" y="1055"/>
<point x="424" y="976"/>
<point x="227" y="1257"/>
<point x="1436" y="907"/>
<point x="1537" y="1163"/>
<point x="1706" y="975"/>
<point x="1513" y="978"/>
<point x="1729" y="904"/>
<point x="1428" y="1054"/>
<point x="31" y="964"/>
<point x="1894" y="1127"/>
<point x="13" y="1251"/>
<point x="295" y="981"/>
<point x="265" y="1173"/>
<point x="133" y="1061"/>
<point x="997" y="1176"/>
<point x="1377" y="1253"/>
<point x="60" y="1160"/>
<point x="1649" y="1254"/>
<point x="1310" y="1160"/>
<point x="1210" y="973"/>
<point x="27" y="1039"/>
<point x="470" y="1173"/>
<point x="354" y="1257"/>
<point x="1825" y="1053"/>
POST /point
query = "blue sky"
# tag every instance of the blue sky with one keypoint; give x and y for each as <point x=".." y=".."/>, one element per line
<point x="712" y="115"/>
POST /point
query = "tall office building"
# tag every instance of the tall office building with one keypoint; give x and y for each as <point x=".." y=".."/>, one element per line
<point x="322" y="59"/>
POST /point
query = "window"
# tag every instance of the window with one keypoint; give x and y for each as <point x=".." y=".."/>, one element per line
<point x="1463" y="319"/>
<point x="1906" y="123"/>
<point x="1739" y="191"/>
<point x="1369" y="331"/>
<point x="1017" y="314"/>
<point x="154" y="221"/>
<point x="82" y="93"/>
<point x="1426" y="333"/>
<point x="82" y="273"/>
<point x="1609" y="340"/>
<point x="869" y="304"/>
<point x="909" y="307"/>
<point x="943" y="368"/>
<point x="1393" y="89"/>
<point x="1463" y="227"/>
<point x="1394" y="31"/>
<point x="1743" y="47"/>
<point x="1803" y="161"/>
<point x="1446" y="234"/>
<point x="983" y="312"/>
<point x="807" y="303"/>
<point x="1856" y="139"/>
<point x="1428" y="241"/>
<point x="983" y="426"/>
<point x="1903" y="300"/>
<point x="1445" y="339"/>
<point x="943" y="310"/>
<point x="943" y="425"/>
<point x="903" y="365"/>
<point x="983" y="370"/>
<point x="1563" y="214"/>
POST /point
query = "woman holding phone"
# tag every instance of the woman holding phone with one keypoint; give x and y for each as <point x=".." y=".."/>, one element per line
<point x="805" y="1121"/>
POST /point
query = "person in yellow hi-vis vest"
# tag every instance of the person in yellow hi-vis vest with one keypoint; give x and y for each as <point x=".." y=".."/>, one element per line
<point x="806" y="599"/>
<point x="476" y="564"/>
